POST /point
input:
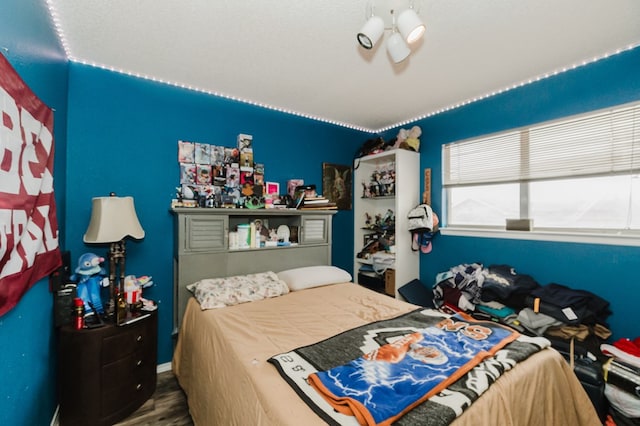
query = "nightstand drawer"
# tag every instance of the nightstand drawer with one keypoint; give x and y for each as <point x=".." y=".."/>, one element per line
<point x="134" y="338"/>
<point x="122" y="373"/>
<point x="124" y="399"/>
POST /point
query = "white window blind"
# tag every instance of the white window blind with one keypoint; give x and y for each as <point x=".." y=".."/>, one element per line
<point x="604" y="143"/>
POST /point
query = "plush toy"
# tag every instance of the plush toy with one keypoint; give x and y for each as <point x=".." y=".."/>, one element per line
<point x="401" y="138"/>
<point x="412" y="140"/>
<point x="90" y="276"/>
<point x="408" y="139"/>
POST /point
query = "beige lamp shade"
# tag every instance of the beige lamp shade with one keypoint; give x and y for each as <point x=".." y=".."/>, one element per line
<point x="112" y="219"/>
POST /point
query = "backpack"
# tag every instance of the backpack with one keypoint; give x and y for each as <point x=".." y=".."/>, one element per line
<point x="422" y="221"/>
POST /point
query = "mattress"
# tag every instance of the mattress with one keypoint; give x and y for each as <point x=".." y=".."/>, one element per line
<point x="221" y="362"/>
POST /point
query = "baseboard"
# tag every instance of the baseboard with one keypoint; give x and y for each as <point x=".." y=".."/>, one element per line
<point x="164" y="367"/>
<point x="55" y="421"/>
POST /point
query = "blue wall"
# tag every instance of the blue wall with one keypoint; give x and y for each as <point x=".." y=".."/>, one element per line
<point x="27" y="338"/>
<point x="603" y="269"/>
<point x="122" y="137"/>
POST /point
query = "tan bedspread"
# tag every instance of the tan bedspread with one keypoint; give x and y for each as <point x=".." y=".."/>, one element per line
<point x="221" y="363"/>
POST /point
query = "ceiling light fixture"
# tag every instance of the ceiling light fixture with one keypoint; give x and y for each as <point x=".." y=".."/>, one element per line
<point x="371" y="32"/>
<point x="397" y="48"/>
<point x="407" y="29"/>
<point x="410" y="26"/>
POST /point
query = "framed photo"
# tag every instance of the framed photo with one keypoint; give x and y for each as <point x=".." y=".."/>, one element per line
<point x="292" y="184"/>
<point x="186" y="152"/>
<point x="336" y="184"/>
<point x="273" y="188"/>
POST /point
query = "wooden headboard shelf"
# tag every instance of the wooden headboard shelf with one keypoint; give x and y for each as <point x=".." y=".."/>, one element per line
<point x="201" y="248"/>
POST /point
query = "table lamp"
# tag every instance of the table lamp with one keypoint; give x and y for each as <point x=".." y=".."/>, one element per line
<point x="112" y="220"/>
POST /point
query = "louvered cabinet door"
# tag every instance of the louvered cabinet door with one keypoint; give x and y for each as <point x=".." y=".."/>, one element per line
<point x="315" y="229"/>
<point x="204" y="233"/>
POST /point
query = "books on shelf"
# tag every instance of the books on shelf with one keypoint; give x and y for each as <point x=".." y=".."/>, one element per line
<point x="328" y="207"/>
<point x="315" y="200"/>
<point x="317" y="203"/>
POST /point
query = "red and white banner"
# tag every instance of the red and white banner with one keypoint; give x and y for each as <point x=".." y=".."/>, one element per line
<point x="29" y="247"/>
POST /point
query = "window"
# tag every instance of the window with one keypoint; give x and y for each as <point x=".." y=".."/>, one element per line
<point x="580" y="174"/>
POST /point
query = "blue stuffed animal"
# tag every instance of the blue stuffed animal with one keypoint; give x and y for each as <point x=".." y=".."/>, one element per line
<point x="90" y="276"/>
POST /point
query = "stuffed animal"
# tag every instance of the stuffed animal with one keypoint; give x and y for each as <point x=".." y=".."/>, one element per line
<point x="408" y="139"/>
<point x="90" y="277"/>
<point x="401" y="138"/>
<point x="412" y="140"/>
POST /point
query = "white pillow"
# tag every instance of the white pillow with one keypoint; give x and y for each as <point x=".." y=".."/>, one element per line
<point x="313" y="276"/>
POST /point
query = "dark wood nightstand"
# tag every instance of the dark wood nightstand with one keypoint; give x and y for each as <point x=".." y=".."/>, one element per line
<point x="106" y="373"/>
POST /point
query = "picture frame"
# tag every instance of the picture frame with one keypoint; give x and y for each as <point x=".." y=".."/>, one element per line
<point x="292" y="184"/>
<point x="273" y="188"/>
<point x="336" y="184"/>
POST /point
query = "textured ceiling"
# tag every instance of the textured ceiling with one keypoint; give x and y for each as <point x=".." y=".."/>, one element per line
<point x="302" y="56"/>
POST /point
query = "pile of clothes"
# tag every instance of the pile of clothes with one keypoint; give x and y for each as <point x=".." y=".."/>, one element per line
<point x="575" y="321"/>
<point x="500" y="293"/>
<point x="622" y="375"/>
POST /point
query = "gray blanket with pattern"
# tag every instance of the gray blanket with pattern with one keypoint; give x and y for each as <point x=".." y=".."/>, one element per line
<point x="441" y="409"/>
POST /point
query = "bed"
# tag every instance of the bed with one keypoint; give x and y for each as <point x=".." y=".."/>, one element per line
<point x="222" y="362"/>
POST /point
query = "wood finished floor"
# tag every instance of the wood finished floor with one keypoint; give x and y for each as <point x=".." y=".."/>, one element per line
<point x="167" y="406"/>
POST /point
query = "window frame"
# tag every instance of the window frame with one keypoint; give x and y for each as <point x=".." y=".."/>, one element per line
<point x="627" y="237"/>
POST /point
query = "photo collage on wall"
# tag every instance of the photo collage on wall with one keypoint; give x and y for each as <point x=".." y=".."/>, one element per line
<point x="219" y="176"/>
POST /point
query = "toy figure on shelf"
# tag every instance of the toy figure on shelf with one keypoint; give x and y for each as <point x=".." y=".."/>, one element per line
<point x="379" y="220"/>
<point x="387" y="182"/>
<point x="375" y="187"/>
<point x="90" y="277"/>
<point x="133" y="292"/>
<point x="367" y="220"/>
<point x="366" y="191"/>
<point x="381" y="182"/>
<point x="389" y="220"/>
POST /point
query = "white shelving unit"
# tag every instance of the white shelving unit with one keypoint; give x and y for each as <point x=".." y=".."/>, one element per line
<point x="402" y="198"/>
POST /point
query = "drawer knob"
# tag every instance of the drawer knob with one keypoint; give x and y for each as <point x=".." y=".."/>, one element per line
<point x="139" y="363"/>
<point x="139" y="338"/>
<point x="138" y="387"/>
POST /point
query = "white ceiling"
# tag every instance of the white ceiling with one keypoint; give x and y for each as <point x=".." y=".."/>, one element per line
<point x="302" y="56"/>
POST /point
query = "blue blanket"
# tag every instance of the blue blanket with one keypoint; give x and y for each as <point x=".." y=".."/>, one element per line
<point x="382" y="385"/>
<point x="297" y="365"/>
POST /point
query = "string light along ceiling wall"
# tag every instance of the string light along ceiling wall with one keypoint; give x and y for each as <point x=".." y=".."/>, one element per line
<point x="401" y="19"/>
<point x="620" y="36"/>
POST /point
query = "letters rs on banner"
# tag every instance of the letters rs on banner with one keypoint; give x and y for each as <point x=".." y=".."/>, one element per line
<point x="29" y="247"/>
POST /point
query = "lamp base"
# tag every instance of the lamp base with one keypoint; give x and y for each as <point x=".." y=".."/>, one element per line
<point x="117" y="253"/>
